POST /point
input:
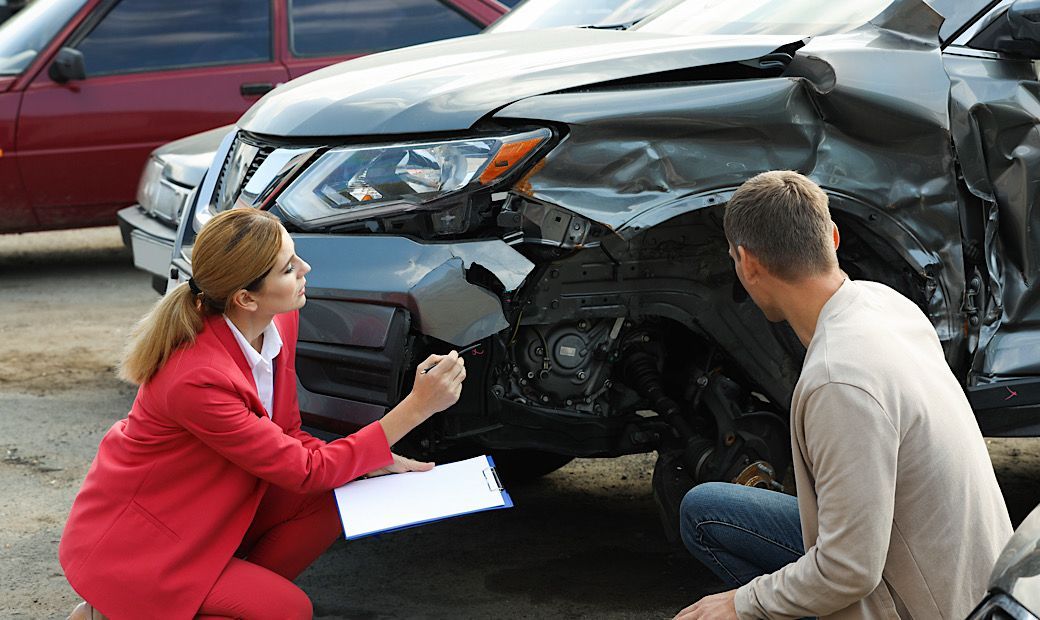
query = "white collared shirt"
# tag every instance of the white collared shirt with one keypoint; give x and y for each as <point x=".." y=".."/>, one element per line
<point x="261" y="363"/>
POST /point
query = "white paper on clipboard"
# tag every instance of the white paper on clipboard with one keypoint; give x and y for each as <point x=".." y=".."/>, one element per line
<point x="397" y="501"/>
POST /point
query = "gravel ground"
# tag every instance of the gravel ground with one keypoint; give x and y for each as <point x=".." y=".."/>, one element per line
<point x="582" y="542"/>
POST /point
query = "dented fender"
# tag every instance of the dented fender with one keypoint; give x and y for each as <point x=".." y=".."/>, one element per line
<point x="864" y="114"/>
<point x="995" y="108"/>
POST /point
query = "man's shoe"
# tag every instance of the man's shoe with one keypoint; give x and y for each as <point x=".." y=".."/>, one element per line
<point x="84" y="611"/>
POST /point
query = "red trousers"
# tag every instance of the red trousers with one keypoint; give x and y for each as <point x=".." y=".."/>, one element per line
<point x="288" y="533"/>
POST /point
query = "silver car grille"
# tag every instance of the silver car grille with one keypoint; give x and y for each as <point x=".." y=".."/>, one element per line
<point x="242" y="162"/>
<point x="252" y="173"/>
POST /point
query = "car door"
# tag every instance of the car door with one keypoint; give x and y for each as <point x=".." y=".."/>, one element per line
<point x="155" y="71"/>
<point x="322" y="32"/>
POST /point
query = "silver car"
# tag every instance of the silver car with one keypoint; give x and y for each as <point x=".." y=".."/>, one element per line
<point x="556" y="196"/>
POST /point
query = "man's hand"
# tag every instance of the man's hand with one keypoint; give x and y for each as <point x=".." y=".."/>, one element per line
<point x="710" y="607"/>
<point x="400" y="466"/>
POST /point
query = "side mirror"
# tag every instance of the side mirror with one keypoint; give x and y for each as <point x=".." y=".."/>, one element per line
<point x="68" y="65"/>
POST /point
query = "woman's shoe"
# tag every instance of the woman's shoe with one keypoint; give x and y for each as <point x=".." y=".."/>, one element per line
<point x="84" y="611"/>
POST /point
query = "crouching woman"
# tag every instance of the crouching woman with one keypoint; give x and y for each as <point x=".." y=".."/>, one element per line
<point x="208" y="499"/>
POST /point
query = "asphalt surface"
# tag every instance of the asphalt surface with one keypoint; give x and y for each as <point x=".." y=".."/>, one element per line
<point x="583" y="542"/>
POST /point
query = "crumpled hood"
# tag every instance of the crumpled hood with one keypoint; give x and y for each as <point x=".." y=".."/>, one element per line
<point x="449" y="85"/>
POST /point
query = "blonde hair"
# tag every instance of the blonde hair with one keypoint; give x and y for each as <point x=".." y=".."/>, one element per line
<point x="234" y="251"/>
<point x="783" y="218"/>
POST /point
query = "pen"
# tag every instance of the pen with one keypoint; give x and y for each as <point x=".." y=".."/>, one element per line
<point x="461" y="352"/>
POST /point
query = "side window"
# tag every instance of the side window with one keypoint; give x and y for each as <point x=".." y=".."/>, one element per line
<point x="958" y="13"/>
<point x="333" y="27"/>
<point x="149" y="35"/>
<point x="989" y="30"/>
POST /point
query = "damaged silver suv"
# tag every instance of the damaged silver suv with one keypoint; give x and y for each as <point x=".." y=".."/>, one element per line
<point x="556" y="197"/>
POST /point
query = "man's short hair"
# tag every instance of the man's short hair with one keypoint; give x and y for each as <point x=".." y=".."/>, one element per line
<point x="782" y="218"/>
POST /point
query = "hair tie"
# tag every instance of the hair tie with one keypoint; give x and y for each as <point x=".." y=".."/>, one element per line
<point x="194" y="287"/>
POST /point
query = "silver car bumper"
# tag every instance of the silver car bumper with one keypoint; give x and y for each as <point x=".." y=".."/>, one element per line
<point x="150" y="240"/>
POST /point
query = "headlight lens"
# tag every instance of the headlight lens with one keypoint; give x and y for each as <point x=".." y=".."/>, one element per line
<point x="159" y="197"/>
<point x="351" y="183"/>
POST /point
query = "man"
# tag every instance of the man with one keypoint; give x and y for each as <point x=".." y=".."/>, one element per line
<point x="898" y="511"/>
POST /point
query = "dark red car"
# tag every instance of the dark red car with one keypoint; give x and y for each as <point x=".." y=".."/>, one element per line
<point x="89" y="87"/>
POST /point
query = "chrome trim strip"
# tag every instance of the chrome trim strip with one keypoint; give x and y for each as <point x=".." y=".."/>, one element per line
<point x="970" y="52"/>
<point x="209" y="183"/>
<point x="234" y="173"/>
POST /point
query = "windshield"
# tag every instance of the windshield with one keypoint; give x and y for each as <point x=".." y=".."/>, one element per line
<point x="537" y="14"/>
<point x="797" y="17"/>
<point x="24" y="35"/>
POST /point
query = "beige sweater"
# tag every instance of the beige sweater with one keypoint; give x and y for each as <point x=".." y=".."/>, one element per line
<point x="901" y="514"/>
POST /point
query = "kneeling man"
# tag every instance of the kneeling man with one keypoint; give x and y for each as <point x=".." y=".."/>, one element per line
<point x="898" y="513"/>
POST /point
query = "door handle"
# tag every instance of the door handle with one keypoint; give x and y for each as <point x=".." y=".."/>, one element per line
<point x="256" y="89"/>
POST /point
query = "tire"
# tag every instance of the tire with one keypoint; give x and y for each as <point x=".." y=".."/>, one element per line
<point x="520" y="466"/>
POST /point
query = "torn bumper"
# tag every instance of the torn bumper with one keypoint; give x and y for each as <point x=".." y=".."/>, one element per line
<point x="428" y="280"/>
<point x="367" y="294"/>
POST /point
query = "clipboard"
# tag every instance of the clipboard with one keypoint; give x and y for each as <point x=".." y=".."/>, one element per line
<point x="400" y="501"/>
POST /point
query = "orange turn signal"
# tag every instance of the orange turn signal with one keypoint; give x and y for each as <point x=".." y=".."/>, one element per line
<point x="508" y="155"/>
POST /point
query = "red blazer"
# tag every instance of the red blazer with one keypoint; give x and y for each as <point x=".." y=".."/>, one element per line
<point x="176" y="483"/>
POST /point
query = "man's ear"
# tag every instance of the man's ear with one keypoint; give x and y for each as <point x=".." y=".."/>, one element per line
<point x="738" y="253"/>
<point x="836" y="235"/>
<point x="749" y="264"/>
<point x="243" y="299"/>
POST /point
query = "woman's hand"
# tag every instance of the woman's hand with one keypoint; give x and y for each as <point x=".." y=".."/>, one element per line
<point x="438" y="382"/>
<point x="401" y="465"/>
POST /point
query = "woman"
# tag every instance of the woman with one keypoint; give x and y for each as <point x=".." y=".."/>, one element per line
<point x="208" y="499"/>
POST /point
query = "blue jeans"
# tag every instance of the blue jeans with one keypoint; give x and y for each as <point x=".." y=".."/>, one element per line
<point x="740" y="532"/>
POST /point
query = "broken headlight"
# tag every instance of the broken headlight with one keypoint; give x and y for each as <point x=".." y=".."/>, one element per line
<point x="351" y="183"/>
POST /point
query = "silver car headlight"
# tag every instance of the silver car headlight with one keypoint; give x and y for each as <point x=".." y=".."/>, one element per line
<point x="146" y="186"/>
<point x="158" y="196"/>
<point x="149" y="178"/>
<point x="352" y="183"/>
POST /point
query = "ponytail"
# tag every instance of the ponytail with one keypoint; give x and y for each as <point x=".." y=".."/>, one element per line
<point x="174" y="321"/>
<point x="234" y="251"/>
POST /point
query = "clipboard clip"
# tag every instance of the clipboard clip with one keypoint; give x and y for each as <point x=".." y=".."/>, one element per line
<point x="493" y="481"/>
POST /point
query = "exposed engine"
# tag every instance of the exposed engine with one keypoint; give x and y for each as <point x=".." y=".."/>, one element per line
<point x="566" y="365"/>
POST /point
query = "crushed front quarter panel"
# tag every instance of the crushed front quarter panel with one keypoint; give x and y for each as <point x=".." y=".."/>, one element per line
<point x="864" y="114"/>
<point x="995" y="104"/>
